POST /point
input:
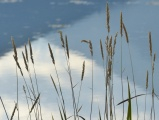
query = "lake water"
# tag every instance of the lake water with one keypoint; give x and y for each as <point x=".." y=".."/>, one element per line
<point x="78" y="19"/>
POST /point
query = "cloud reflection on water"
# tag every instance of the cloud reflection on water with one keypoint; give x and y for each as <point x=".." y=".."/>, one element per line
<point x="79" y="2"/>
<point x="44" y="68"/>
<point x="10" y="1"/>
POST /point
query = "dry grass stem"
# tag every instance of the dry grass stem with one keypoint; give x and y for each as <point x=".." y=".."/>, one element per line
<point x="51" y="54"/>
<point x="13" y="111"/>
<point x="126" y="34"/>
<point x="35" y="103"/>
<point x="4" y="107"/>
<point x="54" y="85"/>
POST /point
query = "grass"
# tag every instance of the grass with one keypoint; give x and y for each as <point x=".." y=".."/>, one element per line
<point x="32" y="93"/>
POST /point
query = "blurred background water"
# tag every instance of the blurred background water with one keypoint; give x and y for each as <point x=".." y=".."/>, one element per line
<point x="78" y="19"/>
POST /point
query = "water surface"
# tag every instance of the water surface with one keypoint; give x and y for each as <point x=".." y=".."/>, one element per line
<point x="85" y="21"/>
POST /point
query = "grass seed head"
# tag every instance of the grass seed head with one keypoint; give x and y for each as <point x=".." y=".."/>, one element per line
<point x="51" y="54"/>
<point x="114" y="43"/>
<point x="101" y="48"/>
<point x="150" y="44"/>
<point x="85" y="41"/>
<point x="14" y="47"/>
<point x="108" y="17"/>
<point x="126" y="33"/>
<point x="154" y="57"/>
<point x="147" y="75"/>
<point x="91" y="47"/>
<point x="67" y="49"/>
<point x="26" y="53"/>
<point x="106" y="44"/>
<point x="83" y="70"/>
<point x="61" y="38"/>
<point x="26" y="65"/>
<point x="31" y="52"/>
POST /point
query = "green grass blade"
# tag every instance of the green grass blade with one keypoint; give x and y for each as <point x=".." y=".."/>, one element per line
<point x="129" y="112"/>
<point x="130" y="98"/>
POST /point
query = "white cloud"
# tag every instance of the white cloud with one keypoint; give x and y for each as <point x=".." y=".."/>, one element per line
<point x="83" y="2"/>
<point x="132" y="2"/>
<point x="155" y="3"/>
<point x="10" y="1"/>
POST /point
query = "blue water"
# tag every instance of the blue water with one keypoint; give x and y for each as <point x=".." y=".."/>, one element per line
<point x="40" y="20"/>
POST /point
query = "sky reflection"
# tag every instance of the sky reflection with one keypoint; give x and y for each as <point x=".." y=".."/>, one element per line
<point x="44" y="68"/>
<point x="10" y="1"/>
<point x="92" y="27"/>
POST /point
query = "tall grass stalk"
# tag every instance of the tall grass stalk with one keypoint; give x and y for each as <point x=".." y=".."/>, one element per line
<point x="147" y="76"/>
<point x="66" y="51"/>
<point x="91" y="51"/>
<point x="121" y="59"/>
<point x="104" y="70"/>
<point x="36" y="80"/>
<point x="27" y="100"/>
<point x="132" y="69"/>
<point x="129" y="112"/>
<point x="113" y="52"/>
<point x="18" y="66"/>
<point x="152" y="75"/>
<point x="107" y="93"/>
<point x="60" y="88"/>
<point x="82" y="76"/>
